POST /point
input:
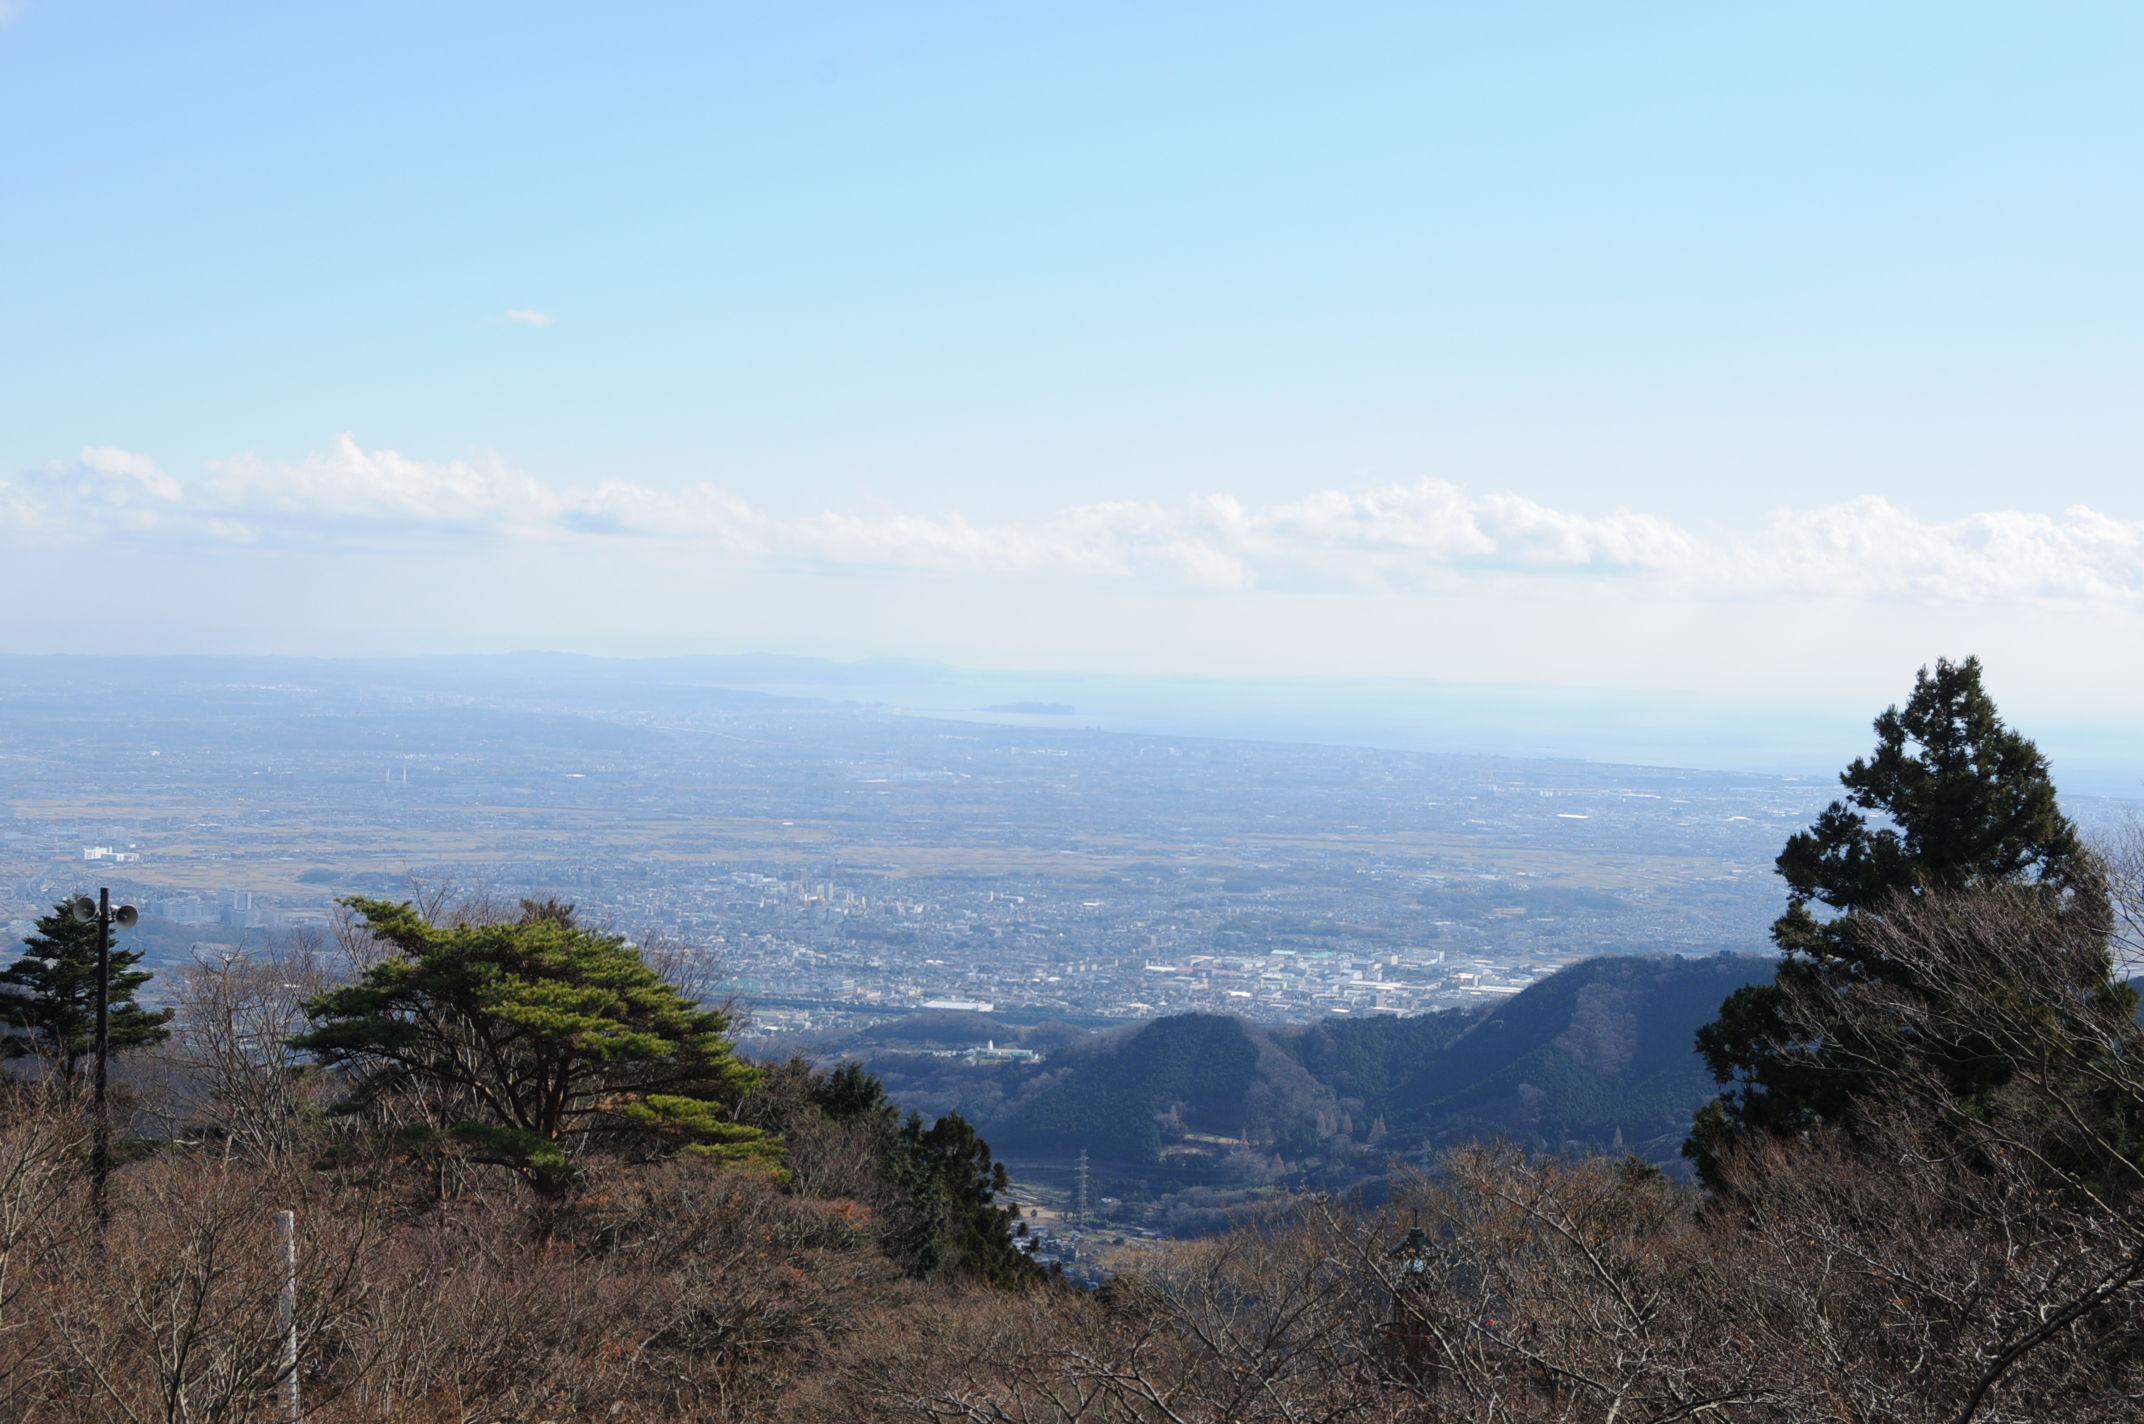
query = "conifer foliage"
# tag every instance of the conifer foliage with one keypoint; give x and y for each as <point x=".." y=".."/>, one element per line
<point x="950" y="1182"/>
<point x="940" y="1193"/>
<point x="49" y="996"/>
<point x="533" y="1040"/>
<point x="1951" y="802"/>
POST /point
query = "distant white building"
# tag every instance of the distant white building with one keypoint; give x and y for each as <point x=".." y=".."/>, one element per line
<point x="185" y="910"/>
<point x="237" y="908"/>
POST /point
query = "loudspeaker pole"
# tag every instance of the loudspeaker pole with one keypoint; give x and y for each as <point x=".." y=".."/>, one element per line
<point x="100" y="1152"/>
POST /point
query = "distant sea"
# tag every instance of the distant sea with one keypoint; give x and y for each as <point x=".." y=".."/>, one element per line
<point x="1723" y="731"/>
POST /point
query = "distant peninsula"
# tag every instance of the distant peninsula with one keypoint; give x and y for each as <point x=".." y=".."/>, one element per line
<point x="1035" y="709"/>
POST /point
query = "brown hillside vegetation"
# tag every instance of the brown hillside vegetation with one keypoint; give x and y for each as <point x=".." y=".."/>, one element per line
<point x="1926" y="1265"/>
<point x="1840" y="1287"/>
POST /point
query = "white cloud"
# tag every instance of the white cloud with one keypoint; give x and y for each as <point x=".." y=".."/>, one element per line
<point x="1392" y="538"/>
<point x="528" y="317"/>
<point x="351" y="490"/>
<point x="1869" y="546"/>
<point x="102" y="491"/>
<point x="130" y="476"/>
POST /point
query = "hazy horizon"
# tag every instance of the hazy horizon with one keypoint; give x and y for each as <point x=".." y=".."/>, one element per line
<point x="1810" y="739"/>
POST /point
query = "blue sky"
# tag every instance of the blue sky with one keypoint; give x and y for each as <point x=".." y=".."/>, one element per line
<point x="1646" y="346"/>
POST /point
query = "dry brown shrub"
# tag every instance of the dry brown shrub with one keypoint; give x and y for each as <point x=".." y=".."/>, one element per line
<point x="169" y="1311"/>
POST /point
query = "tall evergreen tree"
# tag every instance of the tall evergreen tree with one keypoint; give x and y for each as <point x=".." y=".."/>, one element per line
<point x="1964" y="803"/>
<point x="949" y="1183"/>
<point x="49" y="996"/>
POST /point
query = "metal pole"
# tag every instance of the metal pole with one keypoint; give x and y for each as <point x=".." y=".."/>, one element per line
<point x="286" y="1230"/>
<point x="101" y="1149"/>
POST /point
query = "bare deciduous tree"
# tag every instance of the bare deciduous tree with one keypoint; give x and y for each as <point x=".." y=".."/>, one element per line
<point x="44" y="1134"/>
<point x="2122" y="852"/>
<point x="239" y="1080"/>
<point x="175" y="1316"/>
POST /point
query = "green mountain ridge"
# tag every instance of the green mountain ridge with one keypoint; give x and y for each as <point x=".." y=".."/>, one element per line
<point x="1605" y="1048"/>
<point x="1597" y="1054"/>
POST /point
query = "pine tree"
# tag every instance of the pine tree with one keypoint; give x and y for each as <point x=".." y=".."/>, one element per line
<point x="534" y="1038"/>
<point x="49" y="996"/>
<point x="1967" y="805"/>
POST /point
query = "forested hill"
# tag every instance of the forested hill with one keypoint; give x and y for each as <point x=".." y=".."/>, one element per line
<point x="1602" y="1048"/>
<point x="1600" y="1052"/>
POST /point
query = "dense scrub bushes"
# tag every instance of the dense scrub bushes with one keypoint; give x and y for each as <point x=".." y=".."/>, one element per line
<point x="1913" y="1282"/>
<point x="678" y="1289"/>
